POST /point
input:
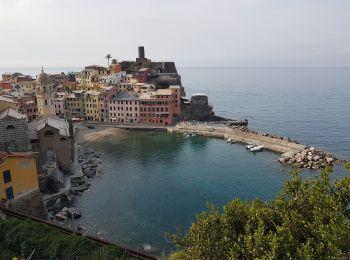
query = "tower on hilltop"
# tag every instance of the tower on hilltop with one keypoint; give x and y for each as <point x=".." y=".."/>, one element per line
<point x="141" y="52"/>
<point x="141" y="56"/>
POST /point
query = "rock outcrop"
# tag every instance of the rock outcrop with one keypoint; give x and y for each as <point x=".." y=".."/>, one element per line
<point x="309" y="158"/>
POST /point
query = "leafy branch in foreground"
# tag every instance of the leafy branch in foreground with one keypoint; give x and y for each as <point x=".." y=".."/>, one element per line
<point x="308" y="219"/>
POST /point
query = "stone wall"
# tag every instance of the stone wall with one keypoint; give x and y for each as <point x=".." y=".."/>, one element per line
<point x="30" y="203"/>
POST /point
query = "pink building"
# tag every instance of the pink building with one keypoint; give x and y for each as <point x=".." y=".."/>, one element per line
<point x="105" y="97"/>
<point x="124" y="107"/>
<point x="161" y="106"/>
<point x="59" y="102"/>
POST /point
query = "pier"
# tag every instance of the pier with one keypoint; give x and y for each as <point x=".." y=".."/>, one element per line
<point x="222" y="131"/>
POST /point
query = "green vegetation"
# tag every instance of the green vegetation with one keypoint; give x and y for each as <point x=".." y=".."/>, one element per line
<point x="20" y="238"/>
<point x="308" y="219"/>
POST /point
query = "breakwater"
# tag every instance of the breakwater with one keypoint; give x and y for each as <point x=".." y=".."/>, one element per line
<point x="270" y="142"/>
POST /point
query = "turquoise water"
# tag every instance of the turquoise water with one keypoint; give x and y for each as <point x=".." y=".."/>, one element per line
<point x="155" y="182"/>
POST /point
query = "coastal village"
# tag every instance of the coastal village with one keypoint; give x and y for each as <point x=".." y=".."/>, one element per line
<point x="39" y="119"/>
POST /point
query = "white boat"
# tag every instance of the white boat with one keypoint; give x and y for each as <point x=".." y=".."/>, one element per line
<point x="257" y="148"/>
<point x="194" y="135"/>
<point x="250" y="145"/>
<point x="187" y="136"/>
<point x="231" y="141"/>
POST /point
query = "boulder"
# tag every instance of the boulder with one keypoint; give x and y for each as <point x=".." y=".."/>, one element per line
<point x="316" y="158"/>
<point x="329" y="160"/>
<point x="73" y="212"/>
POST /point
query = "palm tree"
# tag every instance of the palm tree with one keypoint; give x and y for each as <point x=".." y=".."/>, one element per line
<point x="114" y="61"/>
<point x="108" y="57"/>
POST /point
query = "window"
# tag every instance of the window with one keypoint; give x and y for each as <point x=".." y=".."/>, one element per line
<point x="10" y="127"/>
<point x="63" y="139"/>
<point x="7" y="176"/>
<point x="48" y="133"/>
<point x="9" y="193"/>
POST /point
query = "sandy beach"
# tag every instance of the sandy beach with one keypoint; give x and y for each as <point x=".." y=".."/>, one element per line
<point x="83" y="135"/>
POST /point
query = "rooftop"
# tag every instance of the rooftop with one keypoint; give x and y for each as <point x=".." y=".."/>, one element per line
<point x="5" y="155"/>
<point x="12" y="113"/>
<point x="124" y="95"/>
<point x="60" y="124"/>
<point x="6" y="99"/>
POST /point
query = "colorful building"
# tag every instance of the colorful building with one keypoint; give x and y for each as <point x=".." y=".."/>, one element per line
<point x="26" y="104"/>
<point x="92" y="106"/>
<point x="157" y="107"/>
<point x="59" y="102"/>
<point x="105" y="96"/>
<point x="18" y="174"/>
<point x="74" y="104"/>
<point x="124" y="107"/>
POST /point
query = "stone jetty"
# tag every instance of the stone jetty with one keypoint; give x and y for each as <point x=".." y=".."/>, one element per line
<point x="240" y="134"/>
<point x="293" y="153"/>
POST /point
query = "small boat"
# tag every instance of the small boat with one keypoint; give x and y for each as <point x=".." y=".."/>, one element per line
<point x="257" y="148"/>
<point x="193" y="134"/>
<point x="187" y="136"/>
<point x="250" y="145"/>
<point x="231" y="141"/>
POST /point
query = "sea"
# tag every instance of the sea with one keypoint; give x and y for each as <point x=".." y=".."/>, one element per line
<point x="155" y="183"/>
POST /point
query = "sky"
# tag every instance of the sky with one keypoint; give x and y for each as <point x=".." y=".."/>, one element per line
<point x="206" y="33"/>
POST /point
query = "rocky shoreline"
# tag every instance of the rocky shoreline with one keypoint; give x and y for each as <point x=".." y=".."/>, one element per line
<point x="309" y="158"/>
<point x="60" y="207"/>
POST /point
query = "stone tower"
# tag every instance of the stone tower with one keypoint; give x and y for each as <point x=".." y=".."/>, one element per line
<point x="141" y="53"/>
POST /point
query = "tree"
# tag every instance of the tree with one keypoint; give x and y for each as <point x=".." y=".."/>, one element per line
<point x="114" y="61"/>
<point x="308" y="219"/>
<point x="108" y="57"/>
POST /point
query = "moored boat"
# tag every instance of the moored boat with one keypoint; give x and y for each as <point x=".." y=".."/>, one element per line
<point x="257" y="148"/>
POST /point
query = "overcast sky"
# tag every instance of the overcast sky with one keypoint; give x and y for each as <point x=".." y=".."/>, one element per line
<point x="190" y="32"/>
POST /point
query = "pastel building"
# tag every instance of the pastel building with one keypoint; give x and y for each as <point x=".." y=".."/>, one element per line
<point x="91" y="106"/>
<point x="124" y="107"/>
<point x="18" y="174"/>
<point x="105" y="97"/>
<point x="59" y="102"/>
<point x="74" y="104"/>
<point x="157" y="107"/>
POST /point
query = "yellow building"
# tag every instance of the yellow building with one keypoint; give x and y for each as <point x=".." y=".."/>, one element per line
<point x="18" y="174"/>
<point x="74" y="104"/>
<point x="92" y="106"/>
